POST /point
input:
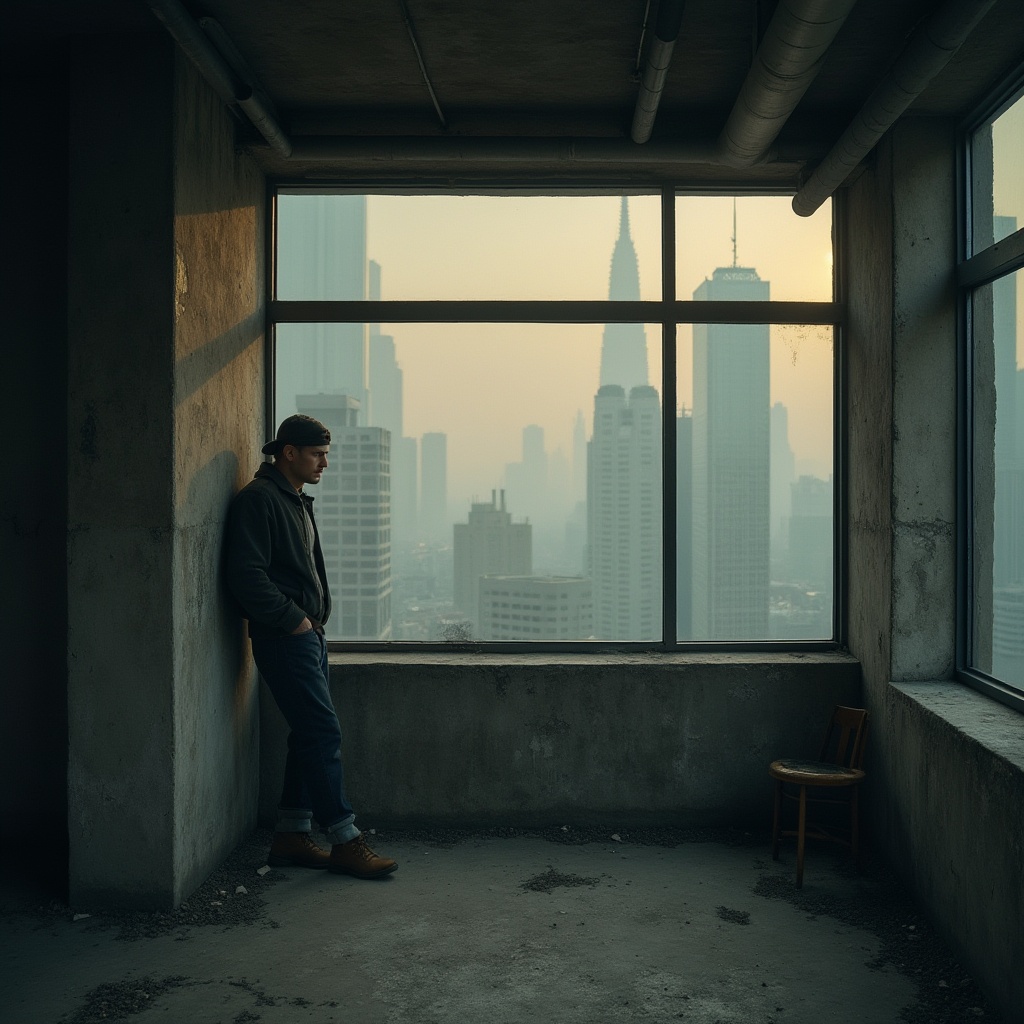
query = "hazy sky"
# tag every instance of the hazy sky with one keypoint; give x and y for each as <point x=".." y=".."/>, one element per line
<point x="482" y="383"/>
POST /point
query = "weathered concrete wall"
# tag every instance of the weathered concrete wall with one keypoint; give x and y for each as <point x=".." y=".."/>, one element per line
<point x="955" y="822"/>
<point x="33" y="489"/>
<point x="120" y="664"/>
<point x="219" y="199"/>
<point x="535" y="739"/>
<point x="164" y="412"/>
<point x="924" y="401"/>
<point x="947" y="793"/>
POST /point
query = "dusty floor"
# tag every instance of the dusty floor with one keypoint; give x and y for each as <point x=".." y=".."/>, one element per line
<point x="566" y="925"/>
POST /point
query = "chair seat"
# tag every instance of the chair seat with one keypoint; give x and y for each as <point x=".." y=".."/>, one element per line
<point x="814" y="773"/>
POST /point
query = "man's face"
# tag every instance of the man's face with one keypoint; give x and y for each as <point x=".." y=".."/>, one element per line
<point x="305" y="465"/>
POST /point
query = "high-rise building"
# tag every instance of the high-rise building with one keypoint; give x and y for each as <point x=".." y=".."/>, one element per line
<point x="322" y="255"/>
<point x="1008" y="478"/>
<point x="435" y="527"/>
<point x="354" y="519"/>
<point x="684" y="525"/>
<point x="489" y="543"/>
<point x="535" y="608"/>
<point x="731" y="505"/>
<point x="387" y="411"/>
<point x="810" y="533"/>
<point x="526" y="481"/>
<point x="624" y="514"/>
<point x="624" y="346"/>
<point x="624" y="510"/>
<point x="782" y="474"/>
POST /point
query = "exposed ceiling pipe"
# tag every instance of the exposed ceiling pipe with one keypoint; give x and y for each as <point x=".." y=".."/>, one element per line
<point x="787" y="61"/>
<point x="419" y="59"/>
<point x="930" y="48"/>
<point x="659" y="56"/>
<point x="195" y="45"/>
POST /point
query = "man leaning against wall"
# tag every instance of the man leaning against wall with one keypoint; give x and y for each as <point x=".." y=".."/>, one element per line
<point x="275" y="570"/>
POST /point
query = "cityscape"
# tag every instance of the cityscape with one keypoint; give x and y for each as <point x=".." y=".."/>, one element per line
<point x="567" y="543"/>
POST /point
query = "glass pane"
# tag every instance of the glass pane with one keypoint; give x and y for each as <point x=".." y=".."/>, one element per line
<point x="998" y="481"/>
<point x="487" y="481"/>
<point x="426" y="247"/>
<point x="754" y="482"/>
<point x="752" y="240"/>
<point x="997" y="164"/>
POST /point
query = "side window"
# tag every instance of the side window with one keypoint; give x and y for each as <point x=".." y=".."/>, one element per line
<point x="992" y="279"/>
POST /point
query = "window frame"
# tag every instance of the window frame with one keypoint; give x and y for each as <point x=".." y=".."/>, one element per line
<point x="975" y="270"/>
<point x="665" y="314"/>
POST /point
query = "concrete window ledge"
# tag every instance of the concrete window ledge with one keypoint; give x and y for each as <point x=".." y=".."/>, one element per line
<point x="978" y="720"/>
<point x="807" y="659"/>
<point x="955" y="823"/>
<point x="652" y="738"/>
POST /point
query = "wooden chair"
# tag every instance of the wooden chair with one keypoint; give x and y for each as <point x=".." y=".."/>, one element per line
<point x="838" y="770"/>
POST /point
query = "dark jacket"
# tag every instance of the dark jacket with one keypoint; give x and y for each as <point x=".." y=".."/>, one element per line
<point x="268" y="569"/>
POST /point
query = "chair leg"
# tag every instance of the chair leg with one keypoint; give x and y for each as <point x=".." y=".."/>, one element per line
<point x="855" y="827"/>
<point x="776" y="820"/>
<point x="801" y="827"/>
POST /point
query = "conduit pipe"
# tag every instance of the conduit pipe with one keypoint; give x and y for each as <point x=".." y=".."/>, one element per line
<point x="930" y="48"/>
<point x="659" y="56"/>
<point x="195" y="45"/>
<point x="786" y="62"/>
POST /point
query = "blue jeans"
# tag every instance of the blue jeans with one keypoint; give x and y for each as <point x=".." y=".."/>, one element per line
<point x="294" y="668"/>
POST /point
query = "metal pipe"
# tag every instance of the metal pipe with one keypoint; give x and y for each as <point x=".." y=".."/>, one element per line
<point x="787" y="61"/>
<point x="659" y="56"/>
<point x="212" y="66"/>
<point x="419" y="59"/>
<point x="929" y="50"/>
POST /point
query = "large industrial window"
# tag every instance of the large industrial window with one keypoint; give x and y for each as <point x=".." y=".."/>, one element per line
<point x="991" y="276"/>
<point x="569" y="419"/>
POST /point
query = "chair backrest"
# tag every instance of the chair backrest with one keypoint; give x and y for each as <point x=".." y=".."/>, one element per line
<point x="845" y="737"/>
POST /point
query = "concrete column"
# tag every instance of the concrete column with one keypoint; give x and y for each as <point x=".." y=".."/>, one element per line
<point x="164" y="413"/>
<point x="924" y="401"/>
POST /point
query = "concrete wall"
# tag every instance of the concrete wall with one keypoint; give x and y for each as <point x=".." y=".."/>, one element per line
<point x="33" y="488"/>
<point x="947" y="802"/>
<point x="218" y="428"/>
<point x="164" y="411"/>
<point x="524" y="740"/>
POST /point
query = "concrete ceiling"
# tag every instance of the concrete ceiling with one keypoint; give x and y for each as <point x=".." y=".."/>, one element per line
<point x="540" y="69"/>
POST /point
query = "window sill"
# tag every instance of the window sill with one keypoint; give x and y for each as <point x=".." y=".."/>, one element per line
<point x="999" y="730"/>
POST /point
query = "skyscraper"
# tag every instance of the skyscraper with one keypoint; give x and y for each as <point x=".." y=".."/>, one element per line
<point x="624" y="512"/>
<point x="782" y="474"/>
<point x="434" y="524"/>
<point x="684" y="525"/>
<point x="354" y="519"/>
<point x="489" y="543"/>
<point x="731" y="506"/>
<point x="624" y="346"/>
<point x="322" y="255"/>
<point x="1008" y="464"/>
<point x="387" y="410"/>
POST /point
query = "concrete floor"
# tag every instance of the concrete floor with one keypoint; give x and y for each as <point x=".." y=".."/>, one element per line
<point x="558" y="926"/>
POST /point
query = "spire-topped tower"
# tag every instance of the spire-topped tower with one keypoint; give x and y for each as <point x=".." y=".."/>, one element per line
<point x="734" y="263"/>
<point x="624" y="346"/>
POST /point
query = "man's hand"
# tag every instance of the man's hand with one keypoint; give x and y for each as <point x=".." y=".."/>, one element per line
<point x="303" y="627"/>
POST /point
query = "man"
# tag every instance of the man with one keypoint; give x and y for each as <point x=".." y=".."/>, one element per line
<point x="275" y="570"/>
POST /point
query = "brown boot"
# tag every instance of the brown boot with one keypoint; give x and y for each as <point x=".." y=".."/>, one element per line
<point x="299" y="849"/>
<point x="356" y="858"/>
